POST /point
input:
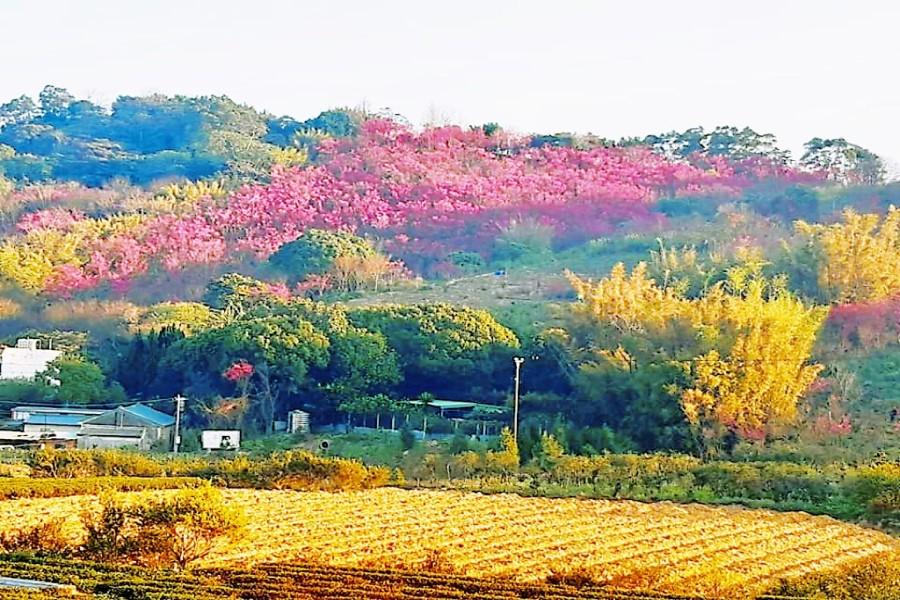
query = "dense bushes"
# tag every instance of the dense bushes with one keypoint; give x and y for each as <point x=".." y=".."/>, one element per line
<point x="872" y="578"/>
<point x="49" y="488"/>
<point x="67" y="472"/>
<point x="94" y="463"/>
<point x="317" y="250"/>
<point x="868" y="492"/>
<point x="294" y="470"/>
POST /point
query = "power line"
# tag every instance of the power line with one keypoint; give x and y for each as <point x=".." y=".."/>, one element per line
<point x="88" y="406"/>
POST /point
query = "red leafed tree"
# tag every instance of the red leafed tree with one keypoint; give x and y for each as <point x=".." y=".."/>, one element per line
<point x="239" y="371"/>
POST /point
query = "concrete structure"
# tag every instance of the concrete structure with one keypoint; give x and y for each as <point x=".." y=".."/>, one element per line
<point x="25" y="360"/>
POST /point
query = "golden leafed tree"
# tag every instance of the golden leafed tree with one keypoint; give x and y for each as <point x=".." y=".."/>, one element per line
<point x="760" y="370"/>
<point x="629" y="303"/>
<point x="856" y="260"/>
<point x="744" y="345"/>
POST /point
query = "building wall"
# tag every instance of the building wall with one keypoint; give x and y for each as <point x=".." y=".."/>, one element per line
<point x="57" y="431"/>
<point x="23" y="363"/>
<point x="101" y="441"/>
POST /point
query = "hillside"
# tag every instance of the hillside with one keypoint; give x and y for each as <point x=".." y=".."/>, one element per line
<point x="347" y="263"/>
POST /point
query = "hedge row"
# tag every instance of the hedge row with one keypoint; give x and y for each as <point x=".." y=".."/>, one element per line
<point x="869" y="492"/>
<point x="50" y="488"/>
<point x="290" y="469"/>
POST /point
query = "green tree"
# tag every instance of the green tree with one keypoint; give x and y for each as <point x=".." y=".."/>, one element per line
<point x="725" y="140"/>
<point x="18" y="110"/>
<point x="281" y="349"/>
<point x="76" y="380"/>
<point x="360" y="362"/>
<point x="843" y="162"/>
<point x="55" y="102"/>
<point x="187" y="317"/>
<point x="139" y="368"/>
<point x="236" y="294"/>
<point x="443" y="348"/>
<point x="316" y="251"/>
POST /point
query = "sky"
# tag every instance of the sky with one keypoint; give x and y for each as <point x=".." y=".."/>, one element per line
<point x="798" y="69"/>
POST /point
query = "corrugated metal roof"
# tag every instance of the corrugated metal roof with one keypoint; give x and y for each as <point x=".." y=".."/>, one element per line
<point x="57" y="420"/>
<point x="59" y="410"/>
<point x="460" y="405"/>
<point x="156" y="417"/>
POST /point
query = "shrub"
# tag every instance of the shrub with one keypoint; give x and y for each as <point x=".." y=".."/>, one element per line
<point x="46" y="538"/>
<point x="169" y="532"/>
<point x="299" y="470"/>
<point x="316" y="251"/>
<point x="52" y="488"/>
<point x="872" y="578"/>
<point x="187" y="527"/>
<point x="523" y="239"/>
<point x="468" y="262"/>
<point x="407" y="438"/>
<point x="92" y="463"/>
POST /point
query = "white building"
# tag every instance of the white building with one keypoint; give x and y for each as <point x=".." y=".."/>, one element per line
<point x="25" y="360"/>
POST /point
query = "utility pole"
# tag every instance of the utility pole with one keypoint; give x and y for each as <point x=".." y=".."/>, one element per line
<point x="518" y="360"/>
<point x="179" y="407"/>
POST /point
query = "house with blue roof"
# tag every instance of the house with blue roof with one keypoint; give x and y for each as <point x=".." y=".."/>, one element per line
<point x="63" y="427"/>
<point x="138" y="426"/>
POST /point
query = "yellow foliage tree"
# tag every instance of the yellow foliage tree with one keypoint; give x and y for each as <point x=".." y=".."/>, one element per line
<point x="630" y="303"/>
<point x="856" y="260"/>
<point x="29" y="260"/>
<point x="506" y="459"/>
<point x="765" y="372"/>
<point x="746" y="350"/>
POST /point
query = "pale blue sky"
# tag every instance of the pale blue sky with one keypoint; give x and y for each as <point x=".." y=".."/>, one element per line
<point x="794" y="68"/>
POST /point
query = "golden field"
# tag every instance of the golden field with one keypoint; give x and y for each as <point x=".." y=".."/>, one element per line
<point x="665" y="546"/>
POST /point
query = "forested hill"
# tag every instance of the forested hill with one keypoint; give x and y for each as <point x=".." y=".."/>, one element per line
<point x="436" y="199"/>
<point x="144" y="139"/>
<point x="680" y="290"/>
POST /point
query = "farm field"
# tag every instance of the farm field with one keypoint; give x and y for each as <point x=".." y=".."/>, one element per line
<point x="683" y="549"/>
<point x="294" y="581"/>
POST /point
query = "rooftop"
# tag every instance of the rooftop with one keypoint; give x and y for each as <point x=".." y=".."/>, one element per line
<point x="59" y="410"/>
<point x="55" y="420"/>
<point x="134" y="415"/>
<point x="461" y="405"/>
<point x="151" y="414"/>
